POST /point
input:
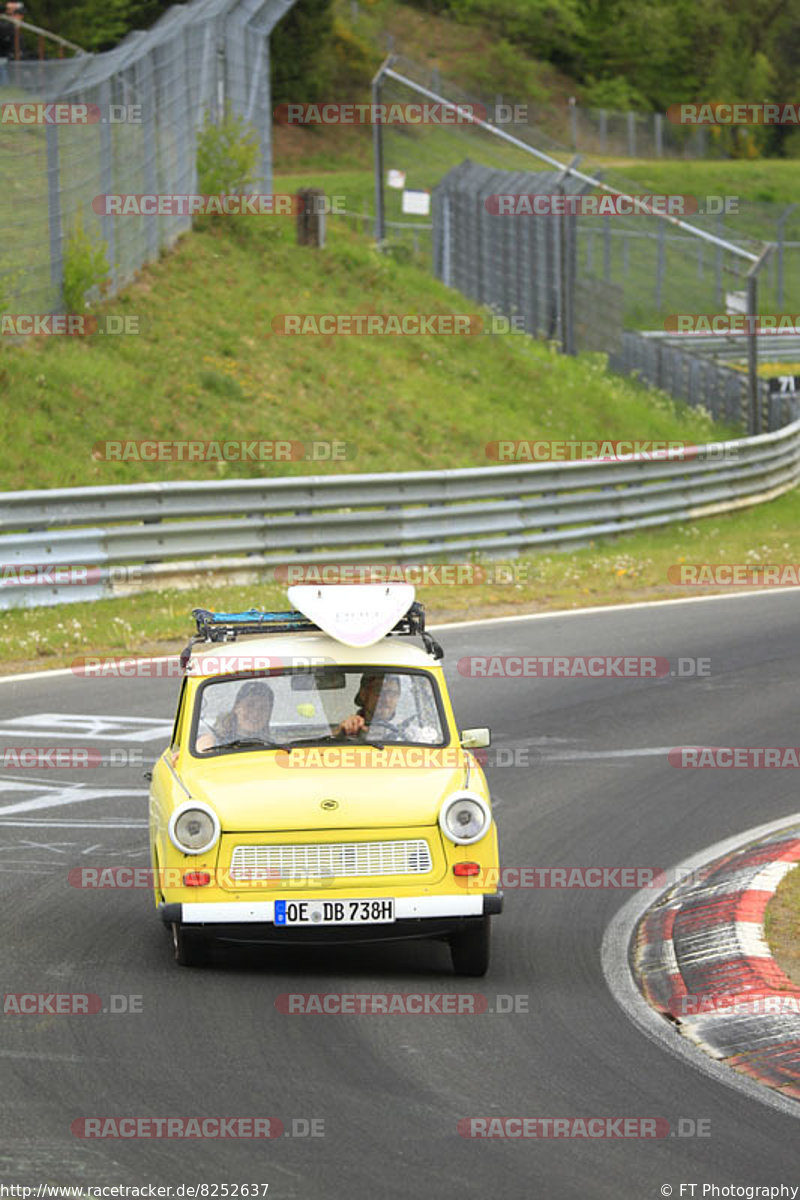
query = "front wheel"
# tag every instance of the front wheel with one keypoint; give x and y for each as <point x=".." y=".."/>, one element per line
<point x="189" y="951"/>
<point x="470" y="949"/>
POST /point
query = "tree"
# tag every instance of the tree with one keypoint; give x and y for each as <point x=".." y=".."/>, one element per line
<point x="299" y="53"/>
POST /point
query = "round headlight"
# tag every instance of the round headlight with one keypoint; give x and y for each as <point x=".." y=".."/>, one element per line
<point x="193" y="828"/>
<point x="465" y="818"/>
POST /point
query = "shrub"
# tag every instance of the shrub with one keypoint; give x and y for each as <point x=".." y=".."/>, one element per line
<point x="85" y="267"/>
<point x="227" y="155"/>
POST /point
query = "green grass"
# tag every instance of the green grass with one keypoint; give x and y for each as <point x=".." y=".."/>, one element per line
<point x="207" y="365"/>
<point x="773" y="181"/>
<point x="782" y="925"/>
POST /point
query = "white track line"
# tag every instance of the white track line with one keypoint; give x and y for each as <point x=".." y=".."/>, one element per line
<point x="542" y="616"/>
<point x="604" y="608"/>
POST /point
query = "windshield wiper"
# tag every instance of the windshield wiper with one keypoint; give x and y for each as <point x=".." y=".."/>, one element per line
<point x="242" y="743"/>
<point x="336" y="741"/>
<point x="322" y="740"/>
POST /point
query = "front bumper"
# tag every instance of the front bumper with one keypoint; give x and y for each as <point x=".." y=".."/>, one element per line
<point x="415" y="917"/>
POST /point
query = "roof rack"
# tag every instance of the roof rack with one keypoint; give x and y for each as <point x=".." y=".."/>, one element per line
<point x="227" y="627"/>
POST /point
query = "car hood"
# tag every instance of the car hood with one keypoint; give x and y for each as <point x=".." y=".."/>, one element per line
<point x="253" y="793"/>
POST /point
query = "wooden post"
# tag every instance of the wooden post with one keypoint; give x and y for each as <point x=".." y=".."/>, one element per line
<point x="311" y="217"/>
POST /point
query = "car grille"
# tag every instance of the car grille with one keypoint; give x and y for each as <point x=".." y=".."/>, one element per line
<point x="331" y="859"/>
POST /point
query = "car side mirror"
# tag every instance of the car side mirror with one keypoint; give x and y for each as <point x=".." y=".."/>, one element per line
<point x="475" y="739"/>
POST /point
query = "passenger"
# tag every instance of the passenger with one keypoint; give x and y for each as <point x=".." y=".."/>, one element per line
<point x="249" y="718"/>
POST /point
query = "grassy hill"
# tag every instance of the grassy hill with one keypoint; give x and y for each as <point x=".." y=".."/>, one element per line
<point x="208" y="365"/>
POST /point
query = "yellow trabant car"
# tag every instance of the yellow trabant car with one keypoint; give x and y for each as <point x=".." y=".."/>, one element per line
<point x="317" y="788"/>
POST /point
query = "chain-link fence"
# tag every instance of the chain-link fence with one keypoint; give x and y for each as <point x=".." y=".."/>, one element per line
<point x="689" y="270"/>
<point x="515" y="268"/>
<point x="587" y="276"/>
<point x="632" y="134"/>
<point x="651" y="273"/>
<point x="146" y="101"/>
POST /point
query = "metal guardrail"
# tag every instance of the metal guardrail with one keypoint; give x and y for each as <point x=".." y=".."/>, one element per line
<point x="772" y="348"/>
<point x="168" y="531"/>
<point x="695" y="369"/>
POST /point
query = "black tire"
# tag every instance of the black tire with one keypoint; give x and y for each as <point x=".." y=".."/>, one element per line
<point x="470" y="949"/>
<point x="190" y="951"/>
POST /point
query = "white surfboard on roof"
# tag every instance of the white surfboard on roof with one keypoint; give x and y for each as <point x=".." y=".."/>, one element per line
<point x="358" y="614"/>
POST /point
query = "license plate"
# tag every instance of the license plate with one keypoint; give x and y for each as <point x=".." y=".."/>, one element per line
<point x="334" y="912"/>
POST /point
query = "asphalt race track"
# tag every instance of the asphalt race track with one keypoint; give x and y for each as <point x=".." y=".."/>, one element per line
<point x="391" y="1089"/>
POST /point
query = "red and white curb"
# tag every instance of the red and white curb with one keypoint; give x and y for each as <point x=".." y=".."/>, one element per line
<point x="701" y="959"/>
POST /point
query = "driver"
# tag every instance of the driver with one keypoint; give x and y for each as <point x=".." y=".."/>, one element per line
<point x="249" y="718"/>
<point x="377" y="698"/>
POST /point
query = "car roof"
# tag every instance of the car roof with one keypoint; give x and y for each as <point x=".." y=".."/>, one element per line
<point x="389" y="652"/>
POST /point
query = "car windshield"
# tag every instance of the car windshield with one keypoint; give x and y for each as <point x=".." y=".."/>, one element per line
<point x="345" y="706"/>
